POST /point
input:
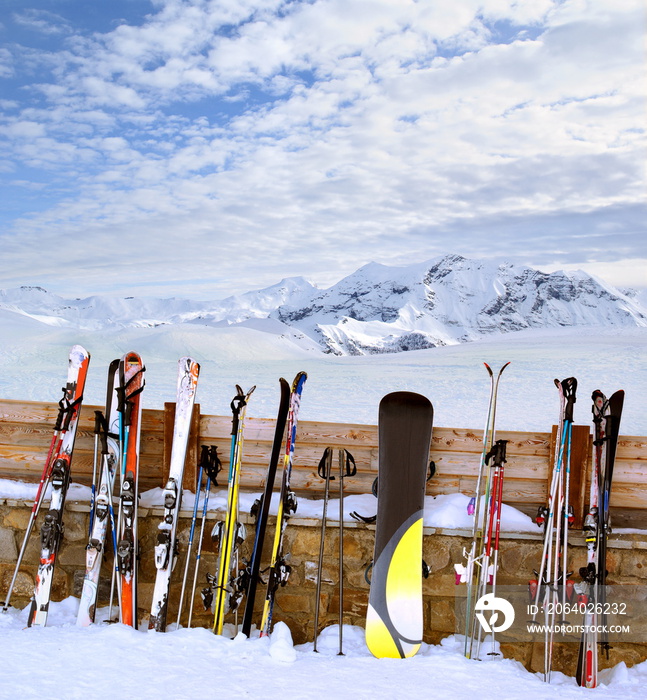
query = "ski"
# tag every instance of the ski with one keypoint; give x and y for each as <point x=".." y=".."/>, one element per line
<point x="65" y="409"/>
<point x="51" y="532"/>
<point x="262" y="509"/>
<point x="131" y="371"/>
<point x="165" y="549"/>
<point x="552" y="587"/>
<point x="592" y="591"/>
<point x="107" y="431"/>
<point x="231" y="532"/>
<point x="394" y="619"/>
<point x="279" y="569"/>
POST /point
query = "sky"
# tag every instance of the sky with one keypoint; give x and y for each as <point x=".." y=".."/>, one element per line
<point x="202" y="148"/>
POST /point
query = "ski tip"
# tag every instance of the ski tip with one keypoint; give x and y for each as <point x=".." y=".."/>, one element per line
<point x="299" y="380"/>
<point x="491" y="372"/>
<point x="132" y="357"/>
<point x="78" y="355"/>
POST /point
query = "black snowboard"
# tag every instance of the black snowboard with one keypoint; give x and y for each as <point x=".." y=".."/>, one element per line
<point x="394" y="618"/>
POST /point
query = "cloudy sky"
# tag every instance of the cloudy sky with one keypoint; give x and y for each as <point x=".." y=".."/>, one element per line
<point x="201" y="148"/>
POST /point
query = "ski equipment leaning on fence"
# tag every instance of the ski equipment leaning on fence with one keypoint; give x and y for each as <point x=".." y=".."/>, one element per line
<point x="165" y="548"/>
<point x="130" y="389"/>
<point x="592" y="590"/>
<point x="279" y="570"/>
<point x="261" y="509"/>
<point x="66" y="408"/>
<point x="552" y="582"/>
<point x="473" y="572"/>
<point x="231" y="532"/>
<point x="394" y="618"/>
<point x="107" y="433"/>
<point x="51" y="532"/>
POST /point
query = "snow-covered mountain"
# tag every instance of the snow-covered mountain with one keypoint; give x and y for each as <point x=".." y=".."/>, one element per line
<point x="378" y="308"/>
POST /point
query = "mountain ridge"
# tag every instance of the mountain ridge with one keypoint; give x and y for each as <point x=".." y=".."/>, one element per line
<point x="376" y="309"/>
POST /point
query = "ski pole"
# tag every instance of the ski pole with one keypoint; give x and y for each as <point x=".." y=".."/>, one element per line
<point x="194" y="517"/>
<point x="346" y="468"/>
<point x="213" y="466"/>
<point x="324" y="471"/>
<point x="64" y="407"/>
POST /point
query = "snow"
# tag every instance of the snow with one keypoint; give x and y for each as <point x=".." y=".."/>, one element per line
<point x="447" y="511"/>
<point x="114" y="661"/>
<point x="33" y="363"/>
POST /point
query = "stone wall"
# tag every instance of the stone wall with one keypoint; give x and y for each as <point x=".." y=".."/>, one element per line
<point x="295" y="603"/>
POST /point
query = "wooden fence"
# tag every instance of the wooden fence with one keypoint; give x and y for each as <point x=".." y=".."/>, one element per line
<point x="26" y="429"/>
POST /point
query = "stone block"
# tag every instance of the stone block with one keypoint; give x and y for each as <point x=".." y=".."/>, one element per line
<point x="16" y="518"/>
<point x="8" y="547"/>
<point x="23" y="587"/>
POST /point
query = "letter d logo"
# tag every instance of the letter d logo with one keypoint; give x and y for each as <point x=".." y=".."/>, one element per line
<point x="490" y="602"/>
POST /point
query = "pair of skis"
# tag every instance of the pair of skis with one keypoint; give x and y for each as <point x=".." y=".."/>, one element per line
<point x="106" y="467"/>
<point x="552" y="588"/>
<point x="227" y="588"/>
<point x="230" y="533"/>
<point x="56" y="476"/>
<point x="117" y="432"/>
<point x="592" y="589"/>
<point x="119" y="436"/>
<point x="279" y="569"/>
<point x="261" y="508"/>
<point x="480" y="569"/>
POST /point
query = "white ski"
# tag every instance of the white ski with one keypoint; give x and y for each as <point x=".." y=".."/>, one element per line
<point x="165" y="549"/>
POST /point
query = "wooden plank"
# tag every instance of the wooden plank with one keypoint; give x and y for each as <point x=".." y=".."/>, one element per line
<point x="26" y="428"/>
<point x="470" y="441"/>
<point x="630" y="471"/>
<point x="580" y="455"/>
<point x="631" y="447"/>
<point x="28" y="412"/>
<point x="627" y="496"/>
<point x="33" y="412"/>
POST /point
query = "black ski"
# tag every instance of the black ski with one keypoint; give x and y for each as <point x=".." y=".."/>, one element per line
<point x="592" y="589"/>
<point x="262" y="508"/>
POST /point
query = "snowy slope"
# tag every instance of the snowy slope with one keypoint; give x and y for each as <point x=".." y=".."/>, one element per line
<point x="114" y="661"/>
<point x="377" y="309"/>
<point x="33" y="361"/>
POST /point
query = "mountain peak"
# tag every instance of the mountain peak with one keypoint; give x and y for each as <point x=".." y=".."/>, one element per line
<point x="378" y="308"/>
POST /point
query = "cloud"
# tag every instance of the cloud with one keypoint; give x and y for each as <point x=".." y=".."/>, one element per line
<point x="42" y="21"/>
<point x="248" y="140"/>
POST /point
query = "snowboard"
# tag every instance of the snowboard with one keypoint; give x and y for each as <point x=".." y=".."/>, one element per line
<point x="394" y="619"/>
